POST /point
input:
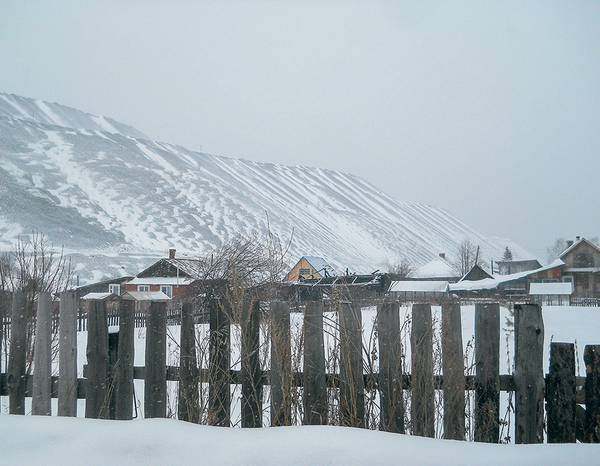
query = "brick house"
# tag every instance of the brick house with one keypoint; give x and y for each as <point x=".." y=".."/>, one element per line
<point x="172" y="276"/>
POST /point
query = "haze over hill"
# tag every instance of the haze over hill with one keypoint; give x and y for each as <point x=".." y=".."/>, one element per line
<point x="102" y="188"/>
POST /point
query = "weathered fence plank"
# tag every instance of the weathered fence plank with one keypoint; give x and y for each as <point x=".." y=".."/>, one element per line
<point x="111" y="377"/>
<point x="155" y="383"/>
<point x="42" y="359"/>
<point x="315" y="387"/>
<point x="454" y="372"/>
<point x="560" y="394"/>
<point x="124" y="369"/>
<point x="96" y="403"/>
<point x="352" y="390"/>
<point x="219" y="395"/>
<point x="422" y="390"/>
<point x="17" y="355"/>
<point x="250" y="364"/>
<point x="390" y="367"/>
<point x="189" y="404"/>
<point x="281" y="365"/>
<point x="67" y="354"/>
<point x="591" y="357"/>
<point x="529" y="374"/>
<point x="487" y="372"/>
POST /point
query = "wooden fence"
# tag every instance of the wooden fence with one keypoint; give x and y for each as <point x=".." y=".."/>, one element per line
<point x="110" y="373"/>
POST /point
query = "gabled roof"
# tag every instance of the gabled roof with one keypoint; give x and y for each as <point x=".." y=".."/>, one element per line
<point x="576" y="244"/>
<point x="435" y="268"/>
<point x="192" y="268"/>
<point x="319" y="264"/>
<point x="476" y="273"/>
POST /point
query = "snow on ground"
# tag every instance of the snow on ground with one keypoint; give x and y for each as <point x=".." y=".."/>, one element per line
<point x="67" y="441"/>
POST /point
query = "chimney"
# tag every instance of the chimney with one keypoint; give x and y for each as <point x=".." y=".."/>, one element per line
<point x="442" y="255"/>
<point x="172" y="253"/>
<point x="577" y="238"/>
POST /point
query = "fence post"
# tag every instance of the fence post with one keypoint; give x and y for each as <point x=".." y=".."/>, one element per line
<point x="281" y="365"/>
<point x="96" y="399"/>
<point x="591" y="357"/>
<point x="5" y="306"/>
<point x="42" y="369"/>
<point x="560" y="394"/>
<point x="352" y="386"/>
<point x="155" y="382"/>
<point x="67" y="354"/>
<point x="422" y="390"/>
<point x="123" y="393"/>
<point x="315" y="388"/>
<point x="250" y="364"/>
<point x="189" y="404"/>
<point x="111" y="378"/>
<point x="487" y="372"/>
<point x="529" y="374"/>
<point x="219" y="395"/>
<point x="454" y="372"/>
<point x="17" y="354"/>
<point x="390" y="367"/>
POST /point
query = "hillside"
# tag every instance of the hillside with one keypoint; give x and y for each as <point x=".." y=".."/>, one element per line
<point x="102" y="188"/>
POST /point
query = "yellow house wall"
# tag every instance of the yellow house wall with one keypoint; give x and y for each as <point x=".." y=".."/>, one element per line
<point x="294" y="274"/>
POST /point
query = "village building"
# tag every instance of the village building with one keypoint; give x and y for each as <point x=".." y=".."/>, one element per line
<point x="437" y="269"/>
<point x="171" y="276"/>
<point x="113" y="286"/>
<point x="582" y="267"/>
<point x="310" y="268"/>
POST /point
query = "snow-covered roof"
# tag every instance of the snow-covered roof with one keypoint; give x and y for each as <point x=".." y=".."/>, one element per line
<point x="435" y="268"/>
<point x="577" y="243"/>
<point x="97" y="296"/>
<point x="319" y="264"/>
<point x="145" y="296"/>
<point x="556" y="288"/>
<point x="426" y="286"/>
<point x="161" y="281"/>
<point x="493" y="283"/>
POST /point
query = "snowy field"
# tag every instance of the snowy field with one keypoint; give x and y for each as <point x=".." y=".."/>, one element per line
<point x="56" y="441"/>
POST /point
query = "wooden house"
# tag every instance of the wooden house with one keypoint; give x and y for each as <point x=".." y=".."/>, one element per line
<point x="582" y="267"/>
<point x="310" y="268"/>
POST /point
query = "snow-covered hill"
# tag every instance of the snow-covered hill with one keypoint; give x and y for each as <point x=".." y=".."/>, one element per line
<point x="101" y="187"/>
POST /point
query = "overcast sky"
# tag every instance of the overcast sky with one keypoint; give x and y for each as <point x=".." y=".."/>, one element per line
<point x="490" y="110"/>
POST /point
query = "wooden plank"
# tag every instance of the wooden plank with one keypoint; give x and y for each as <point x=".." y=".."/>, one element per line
<point x="219" y="395"/>
<point x="111" y="377"/>
<point x="124" y="369"/>
<point x="529" y="374"/>
<point x="42" y="359"/>
<point x="591" y="357"/>
<point x="96" y="403"/>
<point x="189" y="404"/>
<point x="17" y="355"/>
<point x="454" y="372"/>
<point x="315" y="388"/>
<point x="560" y="394"/>
<point x="155" y="383"/>
<point x="281" y="365"/>
<point x="390" y="367"/>
<point x="487" y="372"/>
<point x="352" y="388"/>
<point x="422" y="390"/>
<point x="250" y="364"/>
<point x="67" y="354"/>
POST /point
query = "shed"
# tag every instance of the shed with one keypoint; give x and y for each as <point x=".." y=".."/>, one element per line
<point x="552" y="294"/>
<point x="418" y="289"/>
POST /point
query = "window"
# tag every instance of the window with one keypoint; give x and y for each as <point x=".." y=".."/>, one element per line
<point x="583" y="259"/>
<point x="143" y="287"/>
<point x="304" y="272"/>
<point x="167" y="289"/>
<point x="114" y="288"/>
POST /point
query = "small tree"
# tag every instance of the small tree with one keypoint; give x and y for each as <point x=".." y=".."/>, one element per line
<point x="401" y="267"/>
<point x="467" y="255"/>
<point x="507" y="254"/>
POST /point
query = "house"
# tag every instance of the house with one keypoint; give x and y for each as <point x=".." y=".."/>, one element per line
<point x="113" y="286"/>
<point x="310" y="268"/>
<point x="476" y="273"/>
<point x="582" y="267"/>
<point x="437" y="269"/>
<point x="172" y="276"/>
<point x="506" y="267"/>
